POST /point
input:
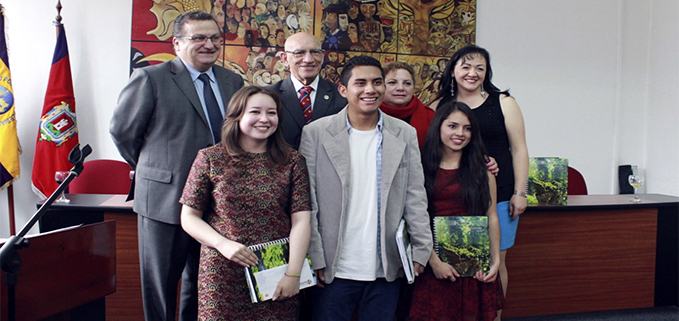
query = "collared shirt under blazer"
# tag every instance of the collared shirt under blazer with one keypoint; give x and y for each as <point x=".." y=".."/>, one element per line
<point x="158" y="127"/>
<point x="325" y="145"/>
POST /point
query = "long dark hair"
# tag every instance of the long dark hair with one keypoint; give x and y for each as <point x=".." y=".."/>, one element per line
<point x="448" y="80"/>
<point x="472" y="172"/>
<point x="277" y="149"/>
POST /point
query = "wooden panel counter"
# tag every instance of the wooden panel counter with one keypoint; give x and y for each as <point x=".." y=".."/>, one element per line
<point x="599" y="252"/>
<point x="126" y="303"/>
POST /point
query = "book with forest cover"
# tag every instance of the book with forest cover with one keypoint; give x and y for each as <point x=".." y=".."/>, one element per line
<point x="547" y="181"/>
<point x="263" y="277"/>
<point x="463" y="242"/>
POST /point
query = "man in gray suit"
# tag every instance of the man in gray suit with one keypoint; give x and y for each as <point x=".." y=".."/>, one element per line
<point x="162" y="119"/>
<point x="365" y="175"/>
<point x="304" y="57"/>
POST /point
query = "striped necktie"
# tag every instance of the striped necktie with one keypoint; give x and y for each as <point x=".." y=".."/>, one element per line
<point x="305" y="102"/>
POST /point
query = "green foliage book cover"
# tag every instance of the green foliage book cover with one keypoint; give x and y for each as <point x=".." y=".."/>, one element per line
<point x="272" y="263"/>
<point x="463" y="242"/>
<point x="547" y="181"/>
<point x="271" y="256"/>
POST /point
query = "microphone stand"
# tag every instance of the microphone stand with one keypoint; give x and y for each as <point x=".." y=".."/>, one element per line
<point x="10" y="260"/>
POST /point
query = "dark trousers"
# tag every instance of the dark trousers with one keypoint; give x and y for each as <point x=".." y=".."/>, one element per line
<point x="373" y="300"/>
<point x="166" y="254"/>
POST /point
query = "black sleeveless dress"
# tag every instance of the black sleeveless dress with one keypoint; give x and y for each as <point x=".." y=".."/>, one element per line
<point x="494" y="135"/>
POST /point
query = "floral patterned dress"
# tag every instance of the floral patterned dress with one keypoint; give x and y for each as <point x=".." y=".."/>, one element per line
<point x="248" y="202"/>
<point x="464" y="299"/>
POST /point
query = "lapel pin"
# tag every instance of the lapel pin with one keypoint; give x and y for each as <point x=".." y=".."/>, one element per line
<point x="326" y="97"/>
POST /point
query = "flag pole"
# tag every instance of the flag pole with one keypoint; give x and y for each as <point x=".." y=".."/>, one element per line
<point x="10" y="202"/>
<point x="58" y="17"/>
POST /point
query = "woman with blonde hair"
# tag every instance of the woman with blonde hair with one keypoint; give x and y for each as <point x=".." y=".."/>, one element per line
<point x="400" y="101"/>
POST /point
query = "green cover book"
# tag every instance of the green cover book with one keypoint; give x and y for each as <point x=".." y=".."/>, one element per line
<point x="463" y="242"/>
<point x="263" y="277"/>
<point x="547" y="181"/>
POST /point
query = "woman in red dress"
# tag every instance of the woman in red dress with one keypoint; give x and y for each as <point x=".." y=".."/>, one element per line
<point x="250" y="188"/>
<point x="458" y="184"/>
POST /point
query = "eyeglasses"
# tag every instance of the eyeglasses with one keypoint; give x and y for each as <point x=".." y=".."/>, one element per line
<point x="216" y="39"/>
<point x="316" y="53"/>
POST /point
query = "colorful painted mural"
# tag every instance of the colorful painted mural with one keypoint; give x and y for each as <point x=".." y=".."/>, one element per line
<point x="423" y="33"/>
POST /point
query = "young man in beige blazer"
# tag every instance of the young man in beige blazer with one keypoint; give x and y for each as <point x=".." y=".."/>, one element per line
<point x="365" y="174"/>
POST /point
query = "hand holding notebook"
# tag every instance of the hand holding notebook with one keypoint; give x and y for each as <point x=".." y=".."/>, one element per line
<point x="272" y="265"/>
<point x="237" y="253"/>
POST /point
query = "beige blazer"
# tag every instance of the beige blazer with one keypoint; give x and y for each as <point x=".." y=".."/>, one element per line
<point x="325" y="145"/>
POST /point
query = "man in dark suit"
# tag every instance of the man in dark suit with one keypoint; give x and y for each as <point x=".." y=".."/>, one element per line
<point x="304" y="57"/>
<point x="163" y="118"/>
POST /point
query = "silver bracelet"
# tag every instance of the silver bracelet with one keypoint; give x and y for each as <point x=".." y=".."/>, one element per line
<point x="520" y="193"/>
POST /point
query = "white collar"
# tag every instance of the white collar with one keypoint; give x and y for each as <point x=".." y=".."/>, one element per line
<point x="195" y="73"/>
<point x="298" y="85"/>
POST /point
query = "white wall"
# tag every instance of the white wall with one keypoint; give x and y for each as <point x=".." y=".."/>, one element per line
<point x="648" y="110"/>
<point x="598" y="82"/>
<point x="662" y="110"/>
<point x="98" y="35"/>
<point x="559" y="62"/>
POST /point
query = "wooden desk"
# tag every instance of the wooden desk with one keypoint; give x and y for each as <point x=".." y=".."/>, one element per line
<point x="126" y="303"/>
<point x="599" y="252"/>
<point x="61" y="271"/>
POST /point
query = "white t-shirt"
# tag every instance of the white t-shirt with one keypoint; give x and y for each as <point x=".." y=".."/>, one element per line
<point x="358" y="259"/>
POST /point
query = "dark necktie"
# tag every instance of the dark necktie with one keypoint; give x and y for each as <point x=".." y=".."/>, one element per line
<point x="305" y="102"/>
<point x="213" y="112"/>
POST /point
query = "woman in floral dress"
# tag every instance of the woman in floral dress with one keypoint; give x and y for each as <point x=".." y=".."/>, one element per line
<point x="248" y="189"/>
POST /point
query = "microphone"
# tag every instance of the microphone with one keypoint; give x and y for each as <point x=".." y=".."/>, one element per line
<point x="77" y="157"/>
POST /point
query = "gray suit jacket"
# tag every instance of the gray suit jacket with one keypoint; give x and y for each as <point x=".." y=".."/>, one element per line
<point x="328" y="102"/>
<point x="158" y="127"/>
<point x="325" y="145"/>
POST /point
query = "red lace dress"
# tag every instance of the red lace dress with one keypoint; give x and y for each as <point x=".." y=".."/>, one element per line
<point x="247" y="203"/>
<point x="466" y="298"/>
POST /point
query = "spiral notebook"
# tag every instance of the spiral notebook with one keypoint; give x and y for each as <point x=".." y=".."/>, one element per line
<point x="263" y="277"/>
<point x="463" y="242"/>
<point x="405" y="250"/>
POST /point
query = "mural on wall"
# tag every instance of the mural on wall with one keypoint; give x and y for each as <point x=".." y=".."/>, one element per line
<point x="423" y="33"/>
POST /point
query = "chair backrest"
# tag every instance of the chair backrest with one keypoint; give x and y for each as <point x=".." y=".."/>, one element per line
<point x="576" y="182"/>
<point x="102" y="176"/>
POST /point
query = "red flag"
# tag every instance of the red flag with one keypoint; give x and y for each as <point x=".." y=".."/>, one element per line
<point x="58" y="131"/>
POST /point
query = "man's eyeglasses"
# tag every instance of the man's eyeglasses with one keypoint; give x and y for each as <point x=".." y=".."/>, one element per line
<point x="216" y="39"/>
<point x="316" y="53"/>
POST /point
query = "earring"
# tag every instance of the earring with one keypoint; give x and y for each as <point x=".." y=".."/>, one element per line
<point x="452" y="90"/>
<point x="483" y="92"/>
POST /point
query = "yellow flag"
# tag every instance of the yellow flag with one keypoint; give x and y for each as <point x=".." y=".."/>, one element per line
<point x="9" y="142"/>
